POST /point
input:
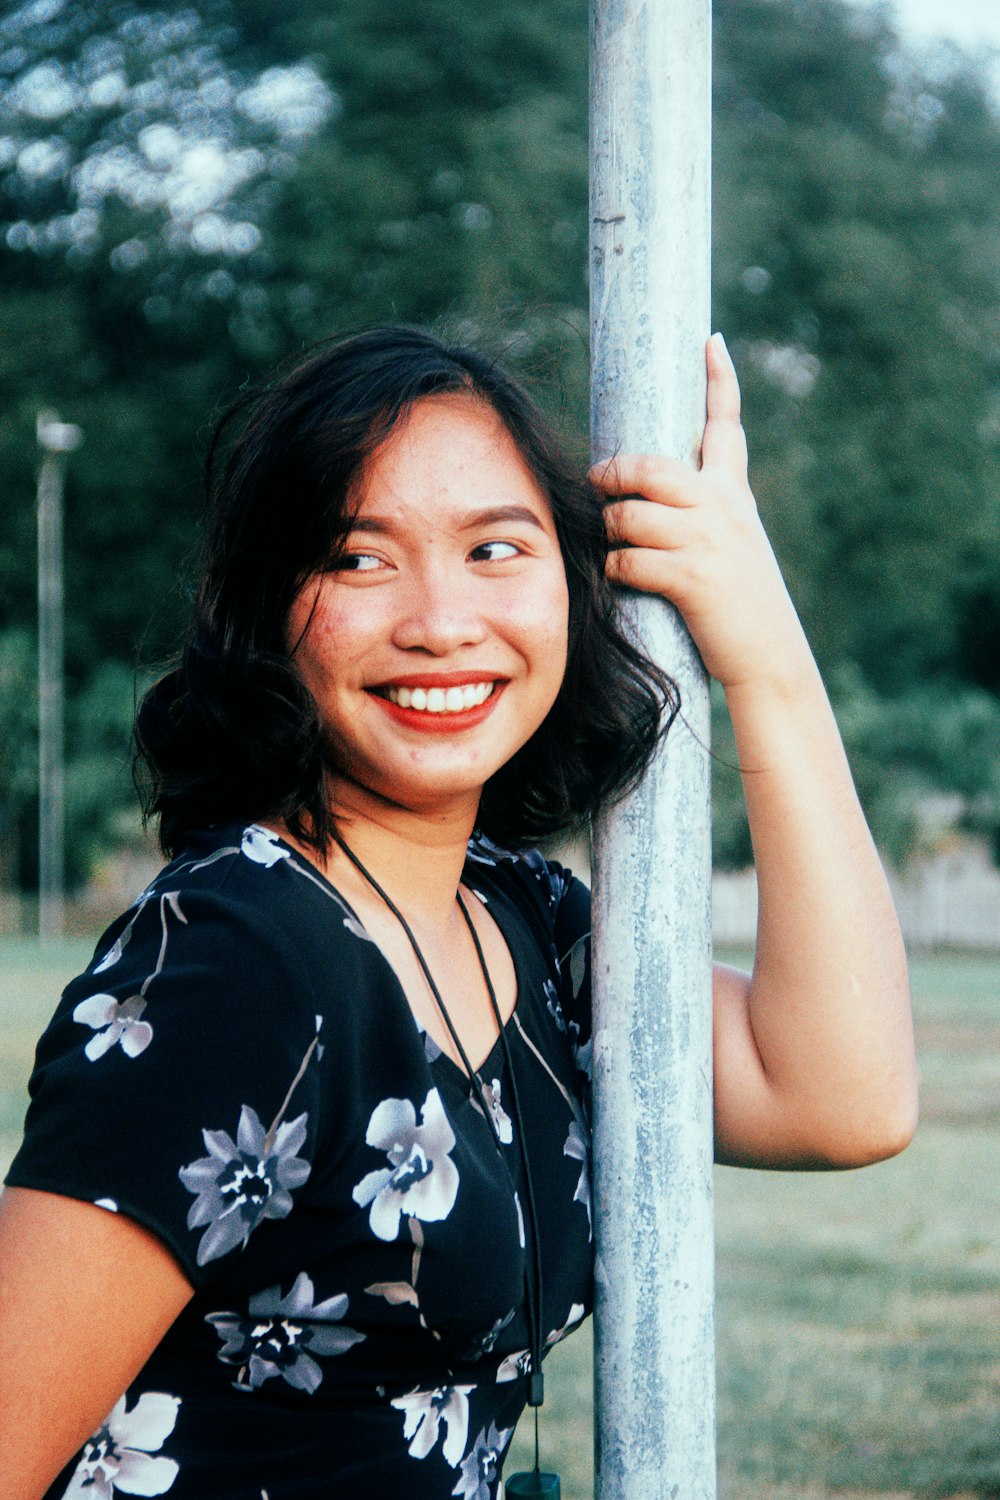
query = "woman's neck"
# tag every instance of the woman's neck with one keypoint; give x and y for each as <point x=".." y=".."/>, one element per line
<point x="418" y="857"/>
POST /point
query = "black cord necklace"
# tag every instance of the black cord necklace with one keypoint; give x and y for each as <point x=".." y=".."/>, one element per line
<point x="534" y="1485"/>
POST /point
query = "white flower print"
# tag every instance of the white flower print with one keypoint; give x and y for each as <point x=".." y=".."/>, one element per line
<point x="501" y="1119"/>
<point x="481" y="1466"/>
<point x="487" y="1342"/>
<point x="117" y="1457"/>
<point x="282" y="1334"/>
<point x="119" y="1021"/>
<point x="514" y="1366"/>
<point x="577" y="960"/>
<point x="578" y="1148"/>
<point x="520" y="1222"/>
<point x="574" y="1317"/>
<point x="114" y="953"/>
<point x="553" y="1004"/>
<point x="431" y="1048"/>
<point x="425" y="1412"/>
<point x="114" y="1022"/>
<point x="553" y="879"/>
<point x="244" y="1181"/>
<point x="480" y="849"/>
<point x="396" y="1293"/>
<point x="355" y="928"/>
<point x="422" y="1181"/>
<point x="261" y="845"/>
<point x="577" y="957"/>
<point x="583" y="1052"/>
<point x="519" y="1363"/>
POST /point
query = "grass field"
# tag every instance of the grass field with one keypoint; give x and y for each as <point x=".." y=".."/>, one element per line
<point x="858" y="1313"/>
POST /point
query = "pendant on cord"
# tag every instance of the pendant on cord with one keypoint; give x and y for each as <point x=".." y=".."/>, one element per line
<point x="533" y="1485"/>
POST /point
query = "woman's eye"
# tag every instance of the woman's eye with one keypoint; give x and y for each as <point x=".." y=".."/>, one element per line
<point x="494" y="551"/>
<point x="357" y="562"/>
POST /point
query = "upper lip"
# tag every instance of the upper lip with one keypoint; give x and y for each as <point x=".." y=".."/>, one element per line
<point x="435" y="680"/>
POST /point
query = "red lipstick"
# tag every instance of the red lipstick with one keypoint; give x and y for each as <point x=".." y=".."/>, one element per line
<point x="424" y="720"/>
<point x="443" y="680"/>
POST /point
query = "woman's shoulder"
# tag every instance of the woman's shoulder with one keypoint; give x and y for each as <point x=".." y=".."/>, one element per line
<point x="245" y="884"/>
<point x="236" y="930"/>
<point x="549" y="890"/>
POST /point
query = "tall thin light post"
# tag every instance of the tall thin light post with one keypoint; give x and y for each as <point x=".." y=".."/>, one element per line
<point x="56" y="439"/>
<point x="650" y="317"/>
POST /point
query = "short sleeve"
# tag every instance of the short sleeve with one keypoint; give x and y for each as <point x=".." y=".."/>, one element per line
<point x="177" y="1082"/>
<point x="571" y="925"/>
<point x="564" y="902"/>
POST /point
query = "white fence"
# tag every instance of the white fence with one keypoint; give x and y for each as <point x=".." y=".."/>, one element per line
<point x="950" y="900"/>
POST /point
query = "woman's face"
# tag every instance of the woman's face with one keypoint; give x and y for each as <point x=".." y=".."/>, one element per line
<point x="437" y="645"/>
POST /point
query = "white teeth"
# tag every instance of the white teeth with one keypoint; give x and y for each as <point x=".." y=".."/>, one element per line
<point x="453" y="700"/>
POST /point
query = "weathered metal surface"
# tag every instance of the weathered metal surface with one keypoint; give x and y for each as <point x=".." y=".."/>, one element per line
<point x="650" y="317"/>
<point x="51" y="778"/>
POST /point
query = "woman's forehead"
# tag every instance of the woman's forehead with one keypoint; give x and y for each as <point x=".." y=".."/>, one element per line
<point x="449" y="451"/>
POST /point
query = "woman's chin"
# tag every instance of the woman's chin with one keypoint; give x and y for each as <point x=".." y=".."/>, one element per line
<point x="431" y="797"/>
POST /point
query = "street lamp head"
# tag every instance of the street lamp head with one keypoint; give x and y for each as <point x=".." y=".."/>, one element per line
<point x="55" y="436"/>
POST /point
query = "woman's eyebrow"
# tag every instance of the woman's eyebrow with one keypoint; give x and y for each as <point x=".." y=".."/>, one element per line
<point x="493" y="515"/>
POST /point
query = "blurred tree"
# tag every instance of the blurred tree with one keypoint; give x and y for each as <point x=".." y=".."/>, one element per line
<point x="853" y="263"/>
<point x="139" y="161"/>
<point x="18" y="753"/>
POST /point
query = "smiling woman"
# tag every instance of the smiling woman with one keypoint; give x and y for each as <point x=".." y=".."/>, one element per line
<point x="305" y="1177"/>
<point x="435" y="644"/>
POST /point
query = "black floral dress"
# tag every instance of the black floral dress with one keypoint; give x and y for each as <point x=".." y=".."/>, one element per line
<point x="239" y="1070"/>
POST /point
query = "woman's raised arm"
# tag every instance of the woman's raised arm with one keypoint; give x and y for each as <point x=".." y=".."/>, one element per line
<point x="814" y="1055"/>
<point x="85" y="1297"/>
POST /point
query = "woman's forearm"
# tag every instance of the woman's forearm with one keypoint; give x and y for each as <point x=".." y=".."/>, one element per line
<point x="828" y="1001"/>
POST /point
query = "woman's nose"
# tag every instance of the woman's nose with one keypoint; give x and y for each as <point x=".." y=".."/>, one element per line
<point x="441" y="612"/>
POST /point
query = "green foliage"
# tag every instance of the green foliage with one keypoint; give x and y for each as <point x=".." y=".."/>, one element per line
<point x="101" y="809"/>
<point x="908" y="753"/>
<point x="188" y="196"/>
<point x="853" y="265"/>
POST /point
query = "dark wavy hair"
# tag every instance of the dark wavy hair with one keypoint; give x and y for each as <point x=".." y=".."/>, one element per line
<point x="232" y="733"/>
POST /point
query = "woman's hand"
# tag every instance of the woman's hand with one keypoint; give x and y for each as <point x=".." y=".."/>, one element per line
<point x="695" y="538"/>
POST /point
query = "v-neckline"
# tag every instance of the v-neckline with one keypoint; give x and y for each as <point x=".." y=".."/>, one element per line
<point x="508" y="1027"/>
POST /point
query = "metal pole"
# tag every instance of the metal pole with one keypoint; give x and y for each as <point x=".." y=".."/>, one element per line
<point x="56" y="439"/>
<point x="650" y="317"/>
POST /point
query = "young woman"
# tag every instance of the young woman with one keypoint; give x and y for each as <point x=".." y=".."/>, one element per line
<point x="303" y="1195"/>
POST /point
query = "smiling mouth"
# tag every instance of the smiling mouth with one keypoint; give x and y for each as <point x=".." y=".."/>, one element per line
<point x="439" y="700"/>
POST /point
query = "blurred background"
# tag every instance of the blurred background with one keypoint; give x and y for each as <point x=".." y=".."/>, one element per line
<point x="191" y="194"/>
